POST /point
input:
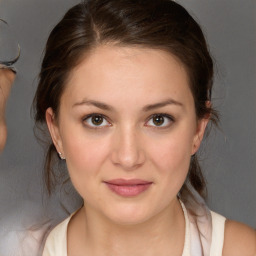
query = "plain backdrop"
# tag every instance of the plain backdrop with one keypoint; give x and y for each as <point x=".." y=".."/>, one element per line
<point x="228" y="155"/>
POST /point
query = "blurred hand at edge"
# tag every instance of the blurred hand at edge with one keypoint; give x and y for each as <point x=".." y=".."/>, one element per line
<point x="7" y="78"/>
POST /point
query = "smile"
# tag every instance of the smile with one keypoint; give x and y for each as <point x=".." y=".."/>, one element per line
<point x="128" y="188"/>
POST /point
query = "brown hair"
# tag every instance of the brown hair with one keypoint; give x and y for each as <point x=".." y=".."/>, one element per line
<point x="158" y="24"/>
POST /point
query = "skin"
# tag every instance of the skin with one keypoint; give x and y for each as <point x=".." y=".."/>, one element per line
<point x="239" y="239"/>
<point x="128" y="86"/>
<point x="6" y="80"/>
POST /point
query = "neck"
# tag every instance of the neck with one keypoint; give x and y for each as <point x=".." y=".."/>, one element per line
<point x="160" y="235"/>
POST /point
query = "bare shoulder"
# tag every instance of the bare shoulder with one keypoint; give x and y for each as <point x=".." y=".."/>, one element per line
<point x="239" y="239"/>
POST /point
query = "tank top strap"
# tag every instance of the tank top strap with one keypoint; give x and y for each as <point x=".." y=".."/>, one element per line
<point x="218" y="228"/>
<point x="186" y="248"/>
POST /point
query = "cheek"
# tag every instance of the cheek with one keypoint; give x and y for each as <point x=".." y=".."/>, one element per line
<point x="171" y="157"/>
<point x="172" y="151"/>
<point x="175" y="157"/>
<point x="84" y="157"/>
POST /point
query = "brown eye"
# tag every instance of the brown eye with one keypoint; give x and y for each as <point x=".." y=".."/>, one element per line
<point x="97" y="120"/>
<point x="158" y="120"/>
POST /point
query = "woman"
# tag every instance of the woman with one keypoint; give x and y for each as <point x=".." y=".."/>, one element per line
<point x="125" y="90"/>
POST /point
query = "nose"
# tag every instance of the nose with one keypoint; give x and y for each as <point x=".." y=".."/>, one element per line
<point x="127" y="151"/>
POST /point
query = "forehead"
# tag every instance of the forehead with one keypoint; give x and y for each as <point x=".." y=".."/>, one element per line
<point x="108" y="70"/>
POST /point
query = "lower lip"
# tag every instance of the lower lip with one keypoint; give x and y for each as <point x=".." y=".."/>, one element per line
<point x="128" y="190"/>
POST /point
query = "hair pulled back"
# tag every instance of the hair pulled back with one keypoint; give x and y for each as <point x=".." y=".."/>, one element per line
<point x="158" y="24"/>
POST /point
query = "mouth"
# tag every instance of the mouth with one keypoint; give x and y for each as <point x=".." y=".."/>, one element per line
<point x="128" y="188"/>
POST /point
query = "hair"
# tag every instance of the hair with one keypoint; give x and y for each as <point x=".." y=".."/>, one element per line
<point x="155" y="24"/>
<point x="8" y="64"/>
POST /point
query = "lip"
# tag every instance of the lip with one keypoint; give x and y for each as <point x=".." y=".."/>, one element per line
<point x="128" y="188"/>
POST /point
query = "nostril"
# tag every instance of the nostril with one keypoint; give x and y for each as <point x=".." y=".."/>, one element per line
<point x="128" y="160"/>
<point x="127" y="151"/>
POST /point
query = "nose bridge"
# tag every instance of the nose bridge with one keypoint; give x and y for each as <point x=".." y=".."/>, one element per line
<point x="127" y="150"/>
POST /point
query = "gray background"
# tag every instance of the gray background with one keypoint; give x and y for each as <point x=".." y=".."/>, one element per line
<point x="229" y="154"/>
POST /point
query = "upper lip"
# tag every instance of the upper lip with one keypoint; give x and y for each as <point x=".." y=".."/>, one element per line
<point x="128" y="182"/>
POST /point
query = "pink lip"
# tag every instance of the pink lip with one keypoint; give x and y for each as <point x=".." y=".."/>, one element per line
<point x="128" y="188"/>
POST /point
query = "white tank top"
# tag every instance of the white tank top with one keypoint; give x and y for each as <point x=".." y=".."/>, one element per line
<point x="202" y="237"/>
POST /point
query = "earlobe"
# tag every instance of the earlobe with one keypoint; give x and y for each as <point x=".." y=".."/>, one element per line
<point x="201" y="127"/>
<point x="54" y="130"/>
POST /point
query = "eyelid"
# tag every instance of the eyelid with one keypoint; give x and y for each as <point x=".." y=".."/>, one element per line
<point x="165" y="115"/>
<point x="95" y="127"/>
<point x="170" y="117"/>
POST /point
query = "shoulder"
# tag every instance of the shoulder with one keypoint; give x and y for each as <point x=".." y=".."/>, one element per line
<point x="239" y="239"/>
<point x="59" y="230"/>
<point x="57" y="239"/>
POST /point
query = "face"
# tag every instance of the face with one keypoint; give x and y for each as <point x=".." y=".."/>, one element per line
<point x="6" y="79"/>
<point x="127" y="128"/>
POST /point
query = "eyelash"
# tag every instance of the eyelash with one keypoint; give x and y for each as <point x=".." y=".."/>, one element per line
<point x="105" y="119"/>
<point x="165" y="116"/>
<point x="86" y="118"/>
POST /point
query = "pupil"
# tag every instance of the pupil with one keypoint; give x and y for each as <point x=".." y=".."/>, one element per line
<point x="158" y="120"/>
<point x="97" y="120"/>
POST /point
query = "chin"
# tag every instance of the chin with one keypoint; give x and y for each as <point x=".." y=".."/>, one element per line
<point x="128" y="215"/>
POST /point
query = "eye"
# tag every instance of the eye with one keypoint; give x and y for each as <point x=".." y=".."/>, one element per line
<point x="96" y="120"/>
<point x="160" y="120"/>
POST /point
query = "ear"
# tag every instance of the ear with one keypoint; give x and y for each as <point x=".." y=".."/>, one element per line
<point x="54" y="130"/>
<point x="201" y="126"/>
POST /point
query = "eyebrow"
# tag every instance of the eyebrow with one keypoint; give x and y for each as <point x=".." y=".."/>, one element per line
<point x="107" y="107"/>
<point x="162" y="104"/>
<point x="97" y="104"/>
